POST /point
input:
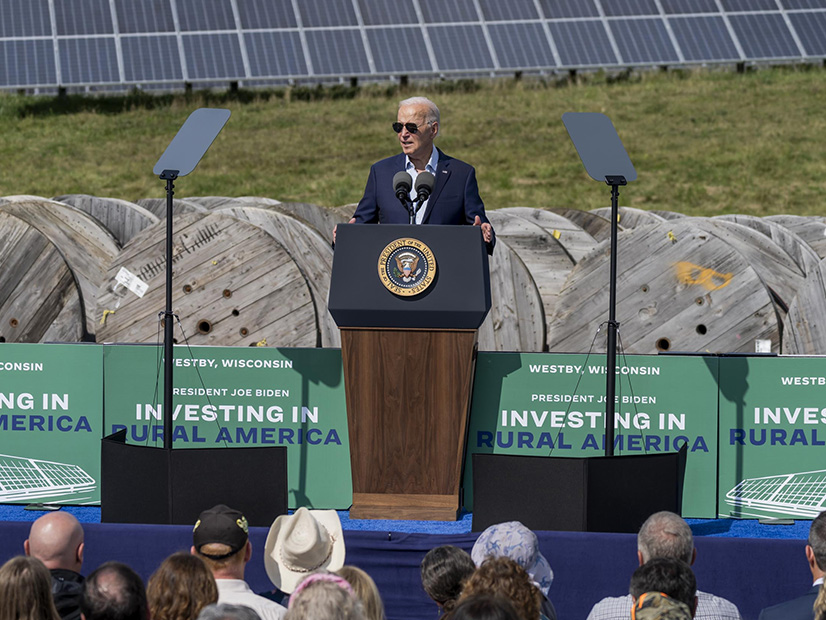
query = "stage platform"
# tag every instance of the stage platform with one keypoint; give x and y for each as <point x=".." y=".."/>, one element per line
<point x="751" y="572"/>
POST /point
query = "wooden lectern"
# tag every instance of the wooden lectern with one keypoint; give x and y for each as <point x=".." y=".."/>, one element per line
<point x="409" y="354"/>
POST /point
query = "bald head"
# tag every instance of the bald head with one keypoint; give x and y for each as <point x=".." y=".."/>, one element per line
<point x="56" y="539"/>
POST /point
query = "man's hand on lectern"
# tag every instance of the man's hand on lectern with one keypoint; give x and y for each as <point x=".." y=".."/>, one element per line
<point x="487" y="229"/>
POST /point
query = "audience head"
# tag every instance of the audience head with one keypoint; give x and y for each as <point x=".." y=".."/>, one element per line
<point x="297" y="544"/>
<point x="485" y="607"/>
<point x="225" y="611"/>
<point x="180" y="588"/>
<point x="444" y="571"/>
<point x="114" y="591"/>
<point x="816" y="550"/>
<point x="519" y="543"/>
<point x="366" y="591"/>
<point x="26" y="590"/>
<point x="665" y="535"/>
<point x="324" y="596"/>
<point x="659" y="606"/>
<point x="56" y="539"/>
<point x="502" y="576"/>
<point x="668" y="576"/>
<point x="221" y="538"/>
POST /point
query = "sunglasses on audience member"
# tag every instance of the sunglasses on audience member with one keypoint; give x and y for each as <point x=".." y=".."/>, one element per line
<point x="411" y="127"/>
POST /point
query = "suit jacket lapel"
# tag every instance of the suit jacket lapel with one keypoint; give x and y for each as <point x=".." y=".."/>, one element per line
<point x="442" y="175"/>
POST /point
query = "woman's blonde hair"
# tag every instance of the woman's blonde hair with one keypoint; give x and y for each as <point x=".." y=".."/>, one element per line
<point x="26" y="590"/>
<point x="366" y="590"/>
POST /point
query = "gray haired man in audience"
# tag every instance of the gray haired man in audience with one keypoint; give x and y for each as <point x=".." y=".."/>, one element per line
<point x="56" y="539"/>
<point x="220" y="538"/>
<point x="666" y="535"/>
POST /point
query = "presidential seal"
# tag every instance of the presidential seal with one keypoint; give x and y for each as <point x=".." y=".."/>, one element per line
<point x="407" y="267"/>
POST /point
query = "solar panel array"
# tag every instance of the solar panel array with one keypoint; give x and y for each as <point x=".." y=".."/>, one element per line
<point x="66" y="43"/>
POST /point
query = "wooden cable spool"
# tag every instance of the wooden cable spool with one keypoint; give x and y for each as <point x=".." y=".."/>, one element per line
<point x="577" y="242"/>
<point x="320" y="218"/>
<point x="121" y="218"/>
<point x="234" y="284"/>
<point x="679" y="288"/>
<point x="630" y="217"/>
<point x="217" y="202"/>
<point x="86" y="246"/>
<point x="804" y="328"/>
<point x="811" y="229"/>
<point x="39" y="299"/>
<point x="667" y="215"/>
<point x="157" y="206"/>
<point x="595" y="225"/>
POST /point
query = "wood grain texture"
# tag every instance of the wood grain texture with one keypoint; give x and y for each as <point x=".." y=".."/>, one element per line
<point x="408" y="394"/>
<point x="157" y="206"/>
<point x="228" y="275"/>
<point x="121" y="218"/>
<point x="595" y="225"/>
<point x="804" y="328"/>
<point x="678" y="287"/>
<point x="811" y="228"/>
<point x="630" y="217"/>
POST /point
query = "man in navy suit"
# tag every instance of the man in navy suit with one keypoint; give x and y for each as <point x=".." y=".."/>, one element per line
<point x="455" y="196"/>
<point x="801" y="608"/>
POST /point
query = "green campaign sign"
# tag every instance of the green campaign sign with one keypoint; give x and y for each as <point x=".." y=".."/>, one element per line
<point x="241" y="397"/>
<point x="772" y="437"/>
<point x="50" y="423"/>
<point x="543" y="404"/>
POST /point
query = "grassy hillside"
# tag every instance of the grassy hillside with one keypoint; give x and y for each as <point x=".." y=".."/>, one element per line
<point x="703" y="142"/>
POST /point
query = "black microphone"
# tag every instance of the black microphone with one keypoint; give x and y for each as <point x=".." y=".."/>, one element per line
<point x="424" y="186"/>
<point x="402" y="184"/>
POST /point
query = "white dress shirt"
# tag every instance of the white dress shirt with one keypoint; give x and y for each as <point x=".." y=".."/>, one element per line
<point x="430" y="166"/>
<point x="237" y="592"/>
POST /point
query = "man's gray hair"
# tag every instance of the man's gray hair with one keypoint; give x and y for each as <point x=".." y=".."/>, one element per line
<point x="432" y="115"/>
<point x="225" y="611"/>
<point x="665" y="535"/>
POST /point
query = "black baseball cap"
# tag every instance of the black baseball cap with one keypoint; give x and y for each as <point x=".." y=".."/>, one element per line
<point x="221" y="524"/>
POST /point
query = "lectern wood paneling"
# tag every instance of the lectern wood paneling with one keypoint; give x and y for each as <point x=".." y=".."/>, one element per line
<point x="408" y="361"/>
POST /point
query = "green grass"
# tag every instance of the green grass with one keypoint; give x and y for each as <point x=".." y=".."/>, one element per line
<point x="703" y="142"/>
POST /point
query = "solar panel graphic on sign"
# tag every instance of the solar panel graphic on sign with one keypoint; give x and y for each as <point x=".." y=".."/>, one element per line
<point x="24" y="480"/>
<point x="205" y="15"/>
<point x="460" y="48"/>
<point x="144" y="16"/>
<point x="24" y="63"/>
<point x="337" y="52"/>
<point x="25" y="18"/>
<point x="764" y="36"/>
<point x="83" y="17"/>
<point x="643" y="41"/>
<point x="630" y="7"/>
<point x="671" y="7"/>
<point x="810" y="28"/>
<point x="266" y="14"/>
<point x="496" y="10"/>
<point x="703" y="38"/>
<point x="568" y="8"/>
<point x="275" y="53"/>
<point x="84" y="61"/>
<point x="322" y="13"/>
<point x="798" y="494"/>
<point x="151" y="59"/>
<point x="399" y="50"/>
<point x="582" y="44"/>
<point x="210" y="56"/>
<point x="438" y="11"/>
<point x="387" y="12"/>
<point x="521" y="45"/>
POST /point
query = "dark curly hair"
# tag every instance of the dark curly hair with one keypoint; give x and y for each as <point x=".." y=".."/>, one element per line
<point x="501" y="576"/>
<point x="445" y="570"/>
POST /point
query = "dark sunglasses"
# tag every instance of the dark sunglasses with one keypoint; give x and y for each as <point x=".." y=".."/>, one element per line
<point x="411" y="127"/>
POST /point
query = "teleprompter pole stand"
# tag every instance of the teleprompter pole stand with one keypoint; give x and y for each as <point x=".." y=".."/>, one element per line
<point x="605" y="159"/>
<point x="185" y="151"/>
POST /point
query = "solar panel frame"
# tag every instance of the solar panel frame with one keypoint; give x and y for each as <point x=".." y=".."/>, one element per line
<point x="83" y="17"/>
<point x="399" y="50"/>
<point x="275" y="53"/>
<point x="742" y="6"/>
<point x="326" y="46"/>
<point x="521" y="46"/>
<point x="689" y="7"/>
<point x="144" y="16"/>
<point x="205" y="15"/>
<point x="808" y="26"/>
<point x="387" y="12"/>
<point x="211" y="56"/>
<point x="643" y="41"/>
<point x="625" y="8"/>
<point x="791" y="5"/>
<point x="88" y="60"/>
<point x="512" y="10"/>
<point x="556" y="9"/>
<point x="314" y="14"/>
<point x="154" y="58"/>
<point x="440" y="12"/>
<point x="470" y="52"/>
<point x="570" y="38"/>
<point x="764" y="35"/>
<point x="716" y="44"/>
<point x="265" y="14"/>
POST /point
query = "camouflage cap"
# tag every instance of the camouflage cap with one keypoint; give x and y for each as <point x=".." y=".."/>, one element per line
<point x="659" y="606"/>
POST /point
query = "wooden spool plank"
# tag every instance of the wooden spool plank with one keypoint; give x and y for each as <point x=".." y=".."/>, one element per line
<point x="630" y="217"/>
<point x="36" y="287"/>
<point x="233" y="285"/>
<point x="320" y="218"/>
<point x="576" y="242"/>
<point x="688" y="291"/>
<point x="157" y="206"/>
<point x="87" y="247"/>
<point x="595" y="225"/>
<point x="804" y="328"/>
<point x="667" y="215"/>
<point x="515" y="321"/>
<point x="219" y="202"/>
<point x="800" y="252"/>
<point x="121" y="218"/>
<point x="772" y="264"/>
<point x="311" y="252"/>
<point x="811" y="228"/>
